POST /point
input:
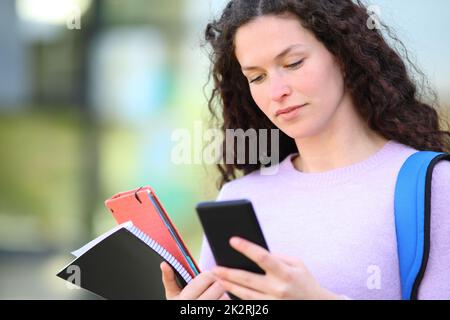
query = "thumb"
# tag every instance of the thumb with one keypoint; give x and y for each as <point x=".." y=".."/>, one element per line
<point x="170" y="284"/>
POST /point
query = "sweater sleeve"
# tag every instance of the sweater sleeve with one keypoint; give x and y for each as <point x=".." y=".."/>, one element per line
<point x="436" y="281"/>
<point x="206" y="261"/>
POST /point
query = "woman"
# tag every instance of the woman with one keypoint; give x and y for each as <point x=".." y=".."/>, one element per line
<point x="349" y="116"/>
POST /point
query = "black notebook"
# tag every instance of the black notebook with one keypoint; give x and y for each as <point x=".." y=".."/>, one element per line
<point x="122" y="264"/>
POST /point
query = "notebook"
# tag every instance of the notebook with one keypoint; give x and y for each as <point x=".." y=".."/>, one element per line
<point x="124" y="263"/>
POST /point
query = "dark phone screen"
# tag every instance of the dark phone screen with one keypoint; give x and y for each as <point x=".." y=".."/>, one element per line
<point x="222" y="220"/>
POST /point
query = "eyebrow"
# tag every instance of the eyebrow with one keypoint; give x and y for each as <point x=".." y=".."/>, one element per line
<point x="279" y="56"/>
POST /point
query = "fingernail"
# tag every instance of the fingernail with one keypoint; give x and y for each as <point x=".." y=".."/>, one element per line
<point x="235" y="241"/>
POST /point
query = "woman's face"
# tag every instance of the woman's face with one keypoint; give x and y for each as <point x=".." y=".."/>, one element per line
<point x="305" y="74"/>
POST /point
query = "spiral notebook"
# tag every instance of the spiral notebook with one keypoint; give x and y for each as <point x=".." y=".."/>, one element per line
<point x="123" y="263"/>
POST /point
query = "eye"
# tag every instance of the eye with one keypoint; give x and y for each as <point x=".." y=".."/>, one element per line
<point x="295" y="65"/>
<point x="256" y="80"/>
<point x="292" y="66"/>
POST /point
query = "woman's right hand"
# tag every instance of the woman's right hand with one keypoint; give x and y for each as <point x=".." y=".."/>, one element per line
<point x="203" y="287"/>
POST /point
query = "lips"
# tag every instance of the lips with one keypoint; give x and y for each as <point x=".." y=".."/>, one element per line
<point x="288" y="109"/>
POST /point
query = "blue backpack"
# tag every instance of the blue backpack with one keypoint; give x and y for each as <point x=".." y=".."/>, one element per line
<point x="412" y="205"/>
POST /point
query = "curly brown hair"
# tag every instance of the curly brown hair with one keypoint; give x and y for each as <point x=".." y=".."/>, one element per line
<point x="383" y="91"/>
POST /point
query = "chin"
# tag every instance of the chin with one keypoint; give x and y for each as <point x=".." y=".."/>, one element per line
<point x="300" y="133"/>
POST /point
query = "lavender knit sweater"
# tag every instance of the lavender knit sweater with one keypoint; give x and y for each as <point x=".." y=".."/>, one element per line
<point x="340" y="223"/>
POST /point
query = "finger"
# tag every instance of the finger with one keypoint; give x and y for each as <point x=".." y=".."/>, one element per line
<point x="198" y="286"/>
<point x="244" y="278"/>
<point x="170" y="284"/>
<point x="258" y="254"/>
<point x="225" y="296"/>
<point x="291" y="261"/>
<point x="243" y="292"/>
<point x="214" y="292"/>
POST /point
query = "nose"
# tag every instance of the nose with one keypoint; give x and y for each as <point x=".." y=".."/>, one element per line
<point x="279" y="88"/>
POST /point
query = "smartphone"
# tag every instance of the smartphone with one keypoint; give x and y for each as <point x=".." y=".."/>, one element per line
<point x="221" y="220"/>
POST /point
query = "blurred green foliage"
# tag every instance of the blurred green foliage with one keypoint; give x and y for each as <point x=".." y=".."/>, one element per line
<point x="39" y="156"/>
<point x="40" y="167"/>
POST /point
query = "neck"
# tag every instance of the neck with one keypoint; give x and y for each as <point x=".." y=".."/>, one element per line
<point x="339" y="145"/>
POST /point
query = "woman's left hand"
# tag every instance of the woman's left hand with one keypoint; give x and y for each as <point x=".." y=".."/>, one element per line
<point x="284" y="278"/>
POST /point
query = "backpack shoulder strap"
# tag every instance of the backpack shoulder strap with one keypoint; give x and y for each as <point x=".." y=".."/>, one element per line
<point x="412" y="203"/>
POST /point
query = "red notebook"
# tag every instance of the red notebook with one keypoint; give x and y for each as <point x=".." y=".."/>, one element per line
<point x="143" y="208"/>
